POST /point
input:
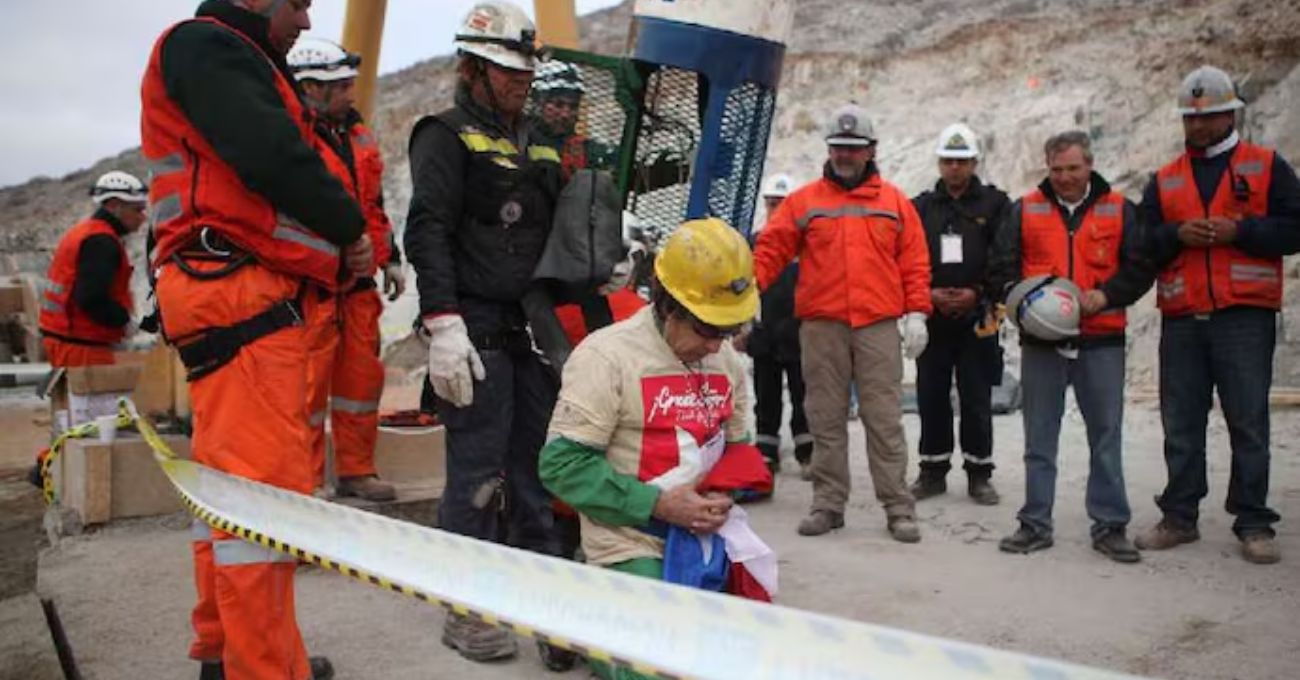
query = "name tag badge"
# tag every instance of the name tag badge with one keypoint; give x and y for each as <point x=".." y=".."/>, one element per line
<point x="950" y="249"/>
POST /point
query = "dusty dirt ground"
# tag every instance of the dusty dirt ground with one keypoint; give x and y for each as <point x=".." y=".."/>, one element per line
<point x="1198" y="612"/>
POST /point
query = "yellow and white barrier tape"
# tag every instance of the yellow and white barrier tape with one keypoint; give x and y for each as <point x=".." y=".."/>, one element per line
<point x="655" y="628"/>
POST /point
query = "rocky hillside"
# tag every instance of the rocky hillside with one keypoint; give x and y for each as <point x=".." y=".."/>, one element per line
<point x="1016" y="70"/>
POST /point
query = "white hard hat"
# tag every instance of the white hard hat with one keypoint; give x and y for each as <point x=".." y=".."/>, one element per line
<point x="850" y="126"/>
<point x="1045" y="307"/>
<point x="555" y="77"/>
<point x="321" y="59"/>
<point x="501" y="33"/>
<point x="1208" y="90"/>
<point x="957" y="141"/>
<point x="120" y="185"/>
<point x="777" y="186"/>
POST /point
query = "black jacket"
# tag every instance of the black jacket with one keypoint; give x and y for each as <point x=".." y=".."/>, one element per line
<point x="1274" y="235"/>
<point x="227" y="91"/>
<point x="98" y="262"/>
<point x="776" y="335"/>
<point x="976" y="216"/>
<point x="1136" y="273"/>
<point x="477" y="221"/>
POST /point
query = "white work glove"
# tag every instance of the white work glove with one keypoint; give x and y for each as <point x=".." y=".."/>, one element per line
<point x="394" y="280"/>
<point x="454" y="364"/>
<point x="915" y="335"/>
<point x="622" y="274"/>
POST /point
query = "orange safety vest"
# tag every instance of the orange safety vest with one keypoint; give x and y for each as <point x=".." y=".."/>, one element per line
<point x="370" y="188"/>
<point x="192" y="187"/>
<point x="60" y="315"/>
<point x="1088" y="257"/>
<point x="1201" y="280"/>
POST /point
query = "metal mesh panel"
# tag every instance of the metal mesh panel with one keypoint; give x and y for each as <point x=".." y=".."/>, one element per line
<point x="746" y="122"/>
<point x="602" y="119"/>
<point x="665" y="151"/>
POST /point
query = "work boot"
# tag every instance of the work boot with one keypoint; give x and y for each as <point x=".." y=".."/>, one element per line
<point x="321" y="668"/>
<point x="1165" y="535"/>
<point x="819" y="522"/>
<point x="928" y="484"/>
<point x="477" y="640"/>
<point x="1260" y="548"/>
<point x="1114" y="543"/>
<point x="904" y="529"/>
<point x="212" y="670"/>
<point x="366" y="487"/>
<point x="980" y="489"/>
<point x="556" y="659"/>
<point x="1025" y="541"/>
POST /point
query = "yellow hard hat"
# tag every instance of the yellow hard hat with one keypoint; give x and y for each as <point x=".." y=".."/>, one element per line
<point x="707" y="267"/>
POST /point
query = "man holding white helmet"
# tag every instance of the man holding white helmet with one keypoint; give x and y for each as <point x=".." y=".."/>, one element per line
<point x="961" y="217"/>
<point x="774" y="346"/>
<point x="1075" y="246"/>
<point x="346" y="372"/>
<point x="864" y="266"/>
<point x="1221" y="217"/>
<point x="86" y="301"/>
<point x="483" y="195"/>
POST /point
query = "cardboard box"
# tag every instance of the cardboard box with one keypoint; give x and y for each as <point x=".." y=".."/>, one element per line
<point x="412" y="455"/>
<point x="155" y="390"/>
<point x="81" y="394"/>
<point x="103" y="482"/>
<point x="11" y="298"/>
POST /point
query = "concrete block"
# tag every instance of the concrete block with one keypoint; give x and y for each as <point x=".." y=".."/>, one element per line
<point x="103" y="482"/>
<point x="412" y="455"/>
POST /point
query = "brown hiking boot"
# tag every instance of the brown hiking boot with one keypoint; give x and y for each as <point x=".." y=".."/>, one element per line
<point x="819" y="522"/>
<point x="1165" y="535"/>
<point x="1260" y="549"/>
<point x="904" y="529"/>
<point x="477" y="640"/>
<point x="366" y="487"/>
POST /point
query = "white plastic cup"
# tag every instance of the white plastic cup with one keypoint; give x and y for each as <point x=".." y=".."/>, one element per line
<point x="107" y="428"/>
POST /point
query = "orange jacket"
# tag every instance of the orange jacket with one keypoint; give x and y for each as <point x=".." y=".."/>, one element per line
<point x="622" y="305"/>
<point x="193" y="188"/>
<point x="1090" y="256"/>
<point x="1201" y="280"/>
<point x="862" y="252"/>
<point x="370" y="190"/>
<point x="60" y="315"/>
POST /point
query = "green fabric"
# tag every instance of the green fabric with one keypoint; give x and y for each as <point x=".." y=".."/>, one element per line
<point x="647" y="567"/>
<point x="581" y="476"/>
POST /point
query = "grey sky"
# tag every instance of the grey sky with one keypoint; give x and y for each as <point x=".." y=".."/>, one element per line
<point x="72" y="76"/>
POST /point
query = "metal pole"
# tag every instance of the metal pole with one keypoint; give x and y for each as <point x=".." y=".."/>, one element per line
<point x="557" y="23"/>
<point x="363" y="30"/>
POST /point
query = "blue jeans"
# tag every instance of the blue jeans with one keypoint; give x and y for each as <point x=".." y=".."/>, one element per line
<point x="1098" y="378"/>
<point x="1232" y="350"/>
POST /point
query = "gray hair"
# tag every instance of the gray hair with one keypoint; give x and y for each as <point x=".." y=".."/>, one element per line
<point x="1060" y="142"/>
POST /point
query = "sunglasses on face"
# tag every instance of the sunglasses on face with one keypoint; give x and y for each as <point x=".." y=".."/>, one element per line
<point x="710" y="332"/>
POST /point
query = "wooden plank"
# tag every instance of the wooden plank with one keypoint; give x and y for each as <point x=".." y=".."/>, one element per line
<point x="180" y="387"/>
<point x="155" y="392"/>
<point x="88" y="479"/>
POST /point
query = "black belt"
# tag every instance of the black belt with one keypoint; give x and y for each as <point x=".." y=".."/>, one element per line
<point x="515" y="341"/>
<point x="218" y="346"/>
